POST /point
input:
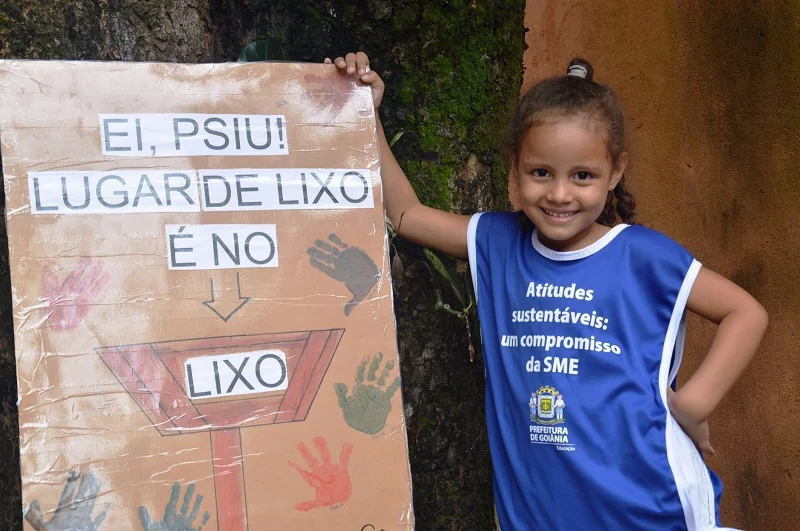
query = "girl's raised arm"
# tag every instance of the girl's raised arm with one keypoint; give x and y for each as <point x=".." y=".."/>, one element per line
<point x="444" y="231"/>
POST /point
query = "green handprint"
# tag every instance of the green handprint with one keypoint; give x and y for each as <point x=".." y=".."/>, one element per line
<point x="74" y="510"/>
<point x="173" y="521"/>
<point x="367" y="409"/>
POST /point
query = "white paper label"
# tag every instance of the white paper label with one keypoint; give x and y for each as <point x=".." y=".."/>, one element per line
<point x="236" y="374"/>
<point x="188" y="135"/>
<point x="221" y="246"/>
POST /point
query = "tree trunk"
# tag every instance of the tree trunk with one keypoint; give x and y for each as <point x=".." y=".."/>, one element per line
<point x="453" y="71"/>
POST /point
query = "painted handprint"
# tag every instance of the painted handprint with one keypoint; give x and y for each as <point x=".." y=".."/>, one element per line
<point x="330" y="480"/>
<point x="71" y="300"/>
<point x="174" y="520"/>
<point x="332" y="95"/>
<point x="350" y="265"/>
<point x="75" y="506"/>
<point x="368" y="407"/>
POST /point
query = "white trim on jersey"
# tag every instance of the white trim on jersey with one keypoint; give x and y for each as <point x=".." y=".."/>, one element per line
<point x="692" y="480"/>
<point x="679" y="341"/>
<point x="472" y="250"/>
<point x="580" y="253"/>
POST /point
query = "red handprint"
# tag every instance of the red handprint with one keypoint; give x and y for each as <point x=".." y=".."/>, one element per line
<point x="331" y="480"/>
<point x="71" y="300"/>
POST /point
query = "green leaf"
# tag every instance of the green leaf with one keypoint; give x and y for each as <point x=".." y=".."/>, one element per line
<point x="264" y="50"/>
<point x="389" y="226"/>
<point x="470" y="289"/>
<point x="395" y="138"/>
<point x="444" y="266"/>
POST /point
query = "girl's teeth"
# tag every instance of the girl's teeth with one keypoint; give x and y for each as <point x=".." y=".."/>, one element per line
<point x="558" y="214"/>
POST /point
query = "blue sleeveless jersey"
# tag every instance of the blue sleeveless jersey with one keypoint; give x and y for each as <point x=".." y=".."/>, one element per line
<point x="579" y="348"/>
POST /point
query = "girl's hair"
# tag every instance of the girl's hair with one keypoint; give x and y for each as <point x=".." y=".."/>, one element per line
<point x="576" y="94"/>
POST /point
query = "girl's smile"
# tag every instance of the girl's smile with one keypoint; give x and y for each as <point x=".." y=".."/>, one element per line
<point x="559" y="217"/>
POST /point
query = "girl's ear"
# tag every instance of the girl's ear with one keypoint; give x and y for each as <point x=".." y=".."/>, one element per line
<point x="619" y="170"/>
<point x="513" y="161"/>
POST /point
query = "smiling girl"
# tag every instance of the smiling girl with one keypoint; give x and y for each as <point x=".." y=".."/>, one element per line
<point x="626" y="453"/>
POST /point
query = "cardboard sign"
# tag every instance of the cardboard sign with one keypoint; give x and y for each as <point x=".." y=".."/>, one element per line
<point x="203" y="315"/>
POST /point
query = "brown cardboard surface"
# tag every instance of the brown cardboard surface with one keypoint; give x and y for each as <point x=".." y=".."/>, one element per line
<point x="270" y="388"/>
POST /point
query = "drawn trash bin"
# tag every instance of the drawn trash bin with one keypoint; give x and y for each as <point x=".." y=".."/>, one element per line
<point x="187" y="386"/>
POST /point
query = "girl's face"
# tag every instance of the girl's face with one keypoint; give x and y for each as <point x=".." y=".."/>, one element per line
<point x="565" y="172"/>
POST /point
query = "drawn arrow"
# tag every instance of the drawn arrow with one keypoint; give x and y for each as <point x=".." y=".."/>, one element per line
<point x="213" y="302"/>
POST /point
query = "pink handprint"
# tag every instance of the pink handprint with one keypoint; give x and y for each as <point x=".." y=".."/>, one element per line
<point x="71" y="300"/>
<point x="331" y="97"/>
<point x="331" y="480"/>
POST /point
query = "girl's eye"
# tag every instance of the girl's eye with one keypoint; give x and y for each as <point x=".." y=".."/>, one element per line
<point x="540" y="172"/>
<point x="583" y="175"/>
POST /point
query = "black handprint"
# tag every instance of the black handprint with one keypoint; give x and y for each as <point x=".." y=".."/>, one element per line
<point x="74" y="511"/>
<point x="350" y="265"/>
<point x="172" y="521"/>
<point x="368" y="407"/>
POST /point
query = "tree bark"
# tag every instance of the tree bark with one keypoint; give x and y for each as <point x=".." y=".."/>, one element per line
<point x="453" y="71"/>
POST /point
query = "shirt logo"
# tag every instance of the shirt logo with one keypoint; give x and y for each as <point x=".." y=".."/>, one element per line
<point x="547" y="406"/>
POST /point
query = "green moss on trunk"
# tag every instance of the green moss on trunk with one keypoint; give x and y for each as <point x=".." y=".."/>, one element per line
<point x="460" y="80"/>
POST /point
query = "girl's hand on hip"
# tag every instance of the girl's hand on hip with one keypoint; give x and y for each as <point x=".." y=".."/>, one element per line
<point x="357" y="65"/>
<point x="697" y="430"/>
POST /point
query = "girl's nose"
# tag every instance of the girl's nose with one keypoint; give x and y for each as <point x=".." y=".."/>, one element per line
<point x="559" y="192"/>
